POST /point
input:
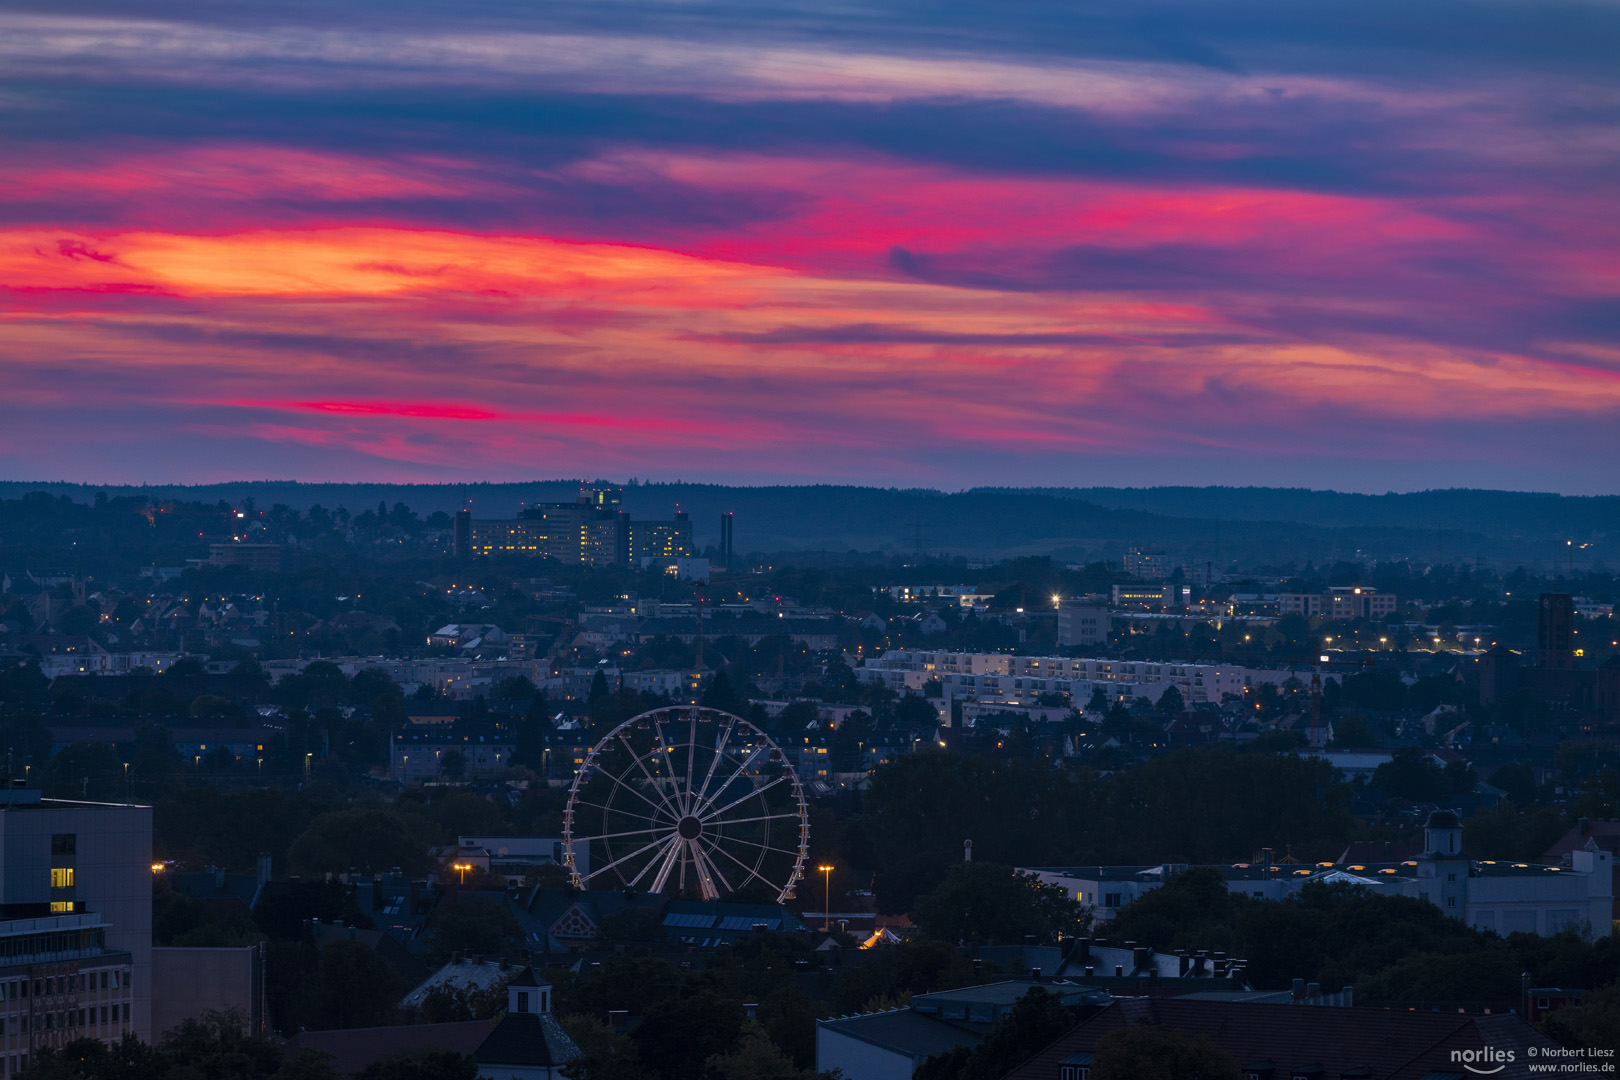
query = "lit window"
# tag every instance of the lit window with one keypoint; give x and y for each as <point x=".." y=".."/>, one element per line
<point x="61" y="877"/>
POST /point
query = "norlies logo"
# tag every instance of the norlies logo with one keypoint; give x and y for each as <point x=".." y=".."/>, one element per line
<point x="1483" y="1062"/>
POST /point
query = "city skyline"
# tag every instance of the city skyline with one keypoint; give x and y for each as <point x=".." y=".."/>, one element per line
<point x="941" y="247"/>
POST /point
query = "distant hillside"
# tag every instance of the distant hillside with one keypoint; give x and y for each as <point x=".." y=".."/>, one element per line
<point x="1252" y="526"/>
<point x="1490" y="513"/>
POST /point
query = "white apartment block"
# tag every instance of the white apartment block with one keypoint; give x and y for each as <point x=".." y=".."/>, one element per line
<point x="1019" y="679"/>
<point x="1083" y="624"/>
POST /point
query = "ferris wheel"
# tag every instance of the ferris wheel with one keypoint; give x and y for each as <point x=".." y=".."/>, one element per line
<point x="688" y="799"/>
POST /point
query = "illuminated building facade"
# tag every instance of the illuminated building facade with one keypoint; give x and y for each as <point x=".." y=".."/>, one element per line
<point x="662" y="539"/>
<point x="593" y="530"/>
<point x="75" y="923"/>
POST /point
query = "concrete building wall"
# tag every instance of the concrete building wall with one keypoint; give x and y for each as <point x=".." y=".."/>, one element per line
<point x="194" y="981"/>
<point x="1083" y="624"/>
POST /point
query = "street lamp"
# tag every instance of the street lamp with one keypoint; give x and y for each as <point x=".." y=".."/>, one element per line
<point x="826" y="899"/>
<point x="463" y="867"/>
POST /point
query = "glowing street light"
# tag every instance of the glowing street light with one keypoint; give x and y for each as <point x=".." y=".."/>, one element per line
<point x="826" y="898"/>
<point x="463" y="867"/>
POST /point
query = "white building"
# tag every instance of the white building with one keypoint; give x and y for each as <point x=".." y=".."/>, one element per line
<point x="1487" y="895"/>
<point x="1082" y="624"/>
<point x="75" y="923"/>
<point x="1018" y="679"/>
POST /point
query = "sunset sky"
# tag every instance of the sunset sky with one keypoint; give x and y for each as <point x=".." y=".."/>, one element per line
<point x="1369" y="246"/>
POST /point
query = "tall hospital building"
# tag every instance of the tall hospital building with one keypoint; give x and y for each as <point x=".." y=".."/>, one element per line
<point x="75" y="923"/>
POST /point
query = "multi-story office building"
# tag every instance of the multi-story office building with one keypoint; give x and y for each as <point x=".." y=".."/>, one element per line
<point x="593" y="530"/>
<point x="1151" y="596"/>
<point x="75" y="923"/>
<point x="1340" y="602"/>
<point x="726" y="540"/>
<point x="1148" y="565"/>
<point x="662" y="539"/>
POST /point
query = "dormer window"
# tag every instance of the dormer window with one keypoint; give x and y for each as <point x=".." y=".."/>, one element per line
<point x="523" y="1001"/>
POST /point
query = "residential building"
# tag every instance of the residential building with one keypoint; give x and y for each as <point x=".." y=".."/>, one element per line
<point x="415" y="757"/>
<point x="1020" y="679"/>
<point x="1340" y="602"/>
<point x="1082" y="623"/>
<point x="958" y="595"/>
<point x="467" y="635"/>
<point x="252" y="556"/>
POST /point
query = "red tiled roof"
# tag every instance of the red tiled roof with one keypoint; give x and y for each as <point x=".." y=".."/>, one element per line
<point x="1607" y="833"/>
<point x="355" y="1048"/>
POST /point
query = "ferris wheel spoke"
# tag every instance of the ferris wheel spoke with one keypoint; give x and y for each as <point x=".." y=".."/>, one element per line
<point x="666" y="863"/>
<point x="703" y="808"/>
<point x="619" y="785"/>
<point x="665" y="829"/>
<point x="691" y="755"/>
<point x="669" y="765"/>
<point x="659" y="858"/>
<point x="719" y="754"/>
<point x="658" y="811"/>
<point x="764" y="817"/>
<point x="745" y="798"/>
<point x="752" y="873"/>
<point x="708" y="871"/>
<point x="756" y="843"/>
<point x="626" y="858"/>
<point x="642" y="765"/>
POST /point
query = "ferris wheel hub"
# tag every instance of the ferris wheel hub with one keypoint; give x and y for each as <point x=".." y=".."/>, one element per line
<point x="690" y="828"/>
